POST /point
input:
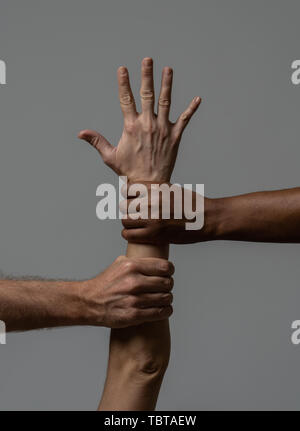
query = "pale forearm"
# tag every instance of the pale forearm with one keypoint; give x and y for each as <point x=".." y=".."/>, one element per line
<point x="118" y="297"/>
<point x="34" y="304"/>
<point x="147" y="150"/>
<point x="138" y="356"/>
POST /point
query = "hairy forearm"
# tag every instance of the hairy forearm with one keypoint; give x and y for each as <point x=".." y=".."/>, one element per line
<point x="33" y="304"/>
<point x="270" y="216"/>
<point x="138" y="356"/>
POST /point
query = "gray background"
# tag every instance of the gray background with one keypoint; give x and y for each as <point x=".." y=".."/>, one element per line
<point x="234" y="302"/>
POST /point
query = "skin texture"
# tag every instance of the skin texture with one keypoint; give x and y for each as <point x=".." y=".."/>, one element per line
<point x="269" y="216"/>
<point x="146" y="151"/>
<point x="138" y="357"/>
<point x="148" y="146"/>
<point x="128" y="292"/>
<point x="133" y="291"/>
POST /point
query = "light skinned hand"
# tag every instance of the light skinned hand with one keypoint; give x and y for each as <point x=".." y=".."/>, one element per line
<point x="129" y="292"/>
<point x="149" y="143"/>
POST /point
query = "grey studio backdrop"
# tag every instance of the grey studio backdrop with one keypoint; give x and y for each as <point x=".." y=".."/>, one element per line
<point x="234" y="302"/>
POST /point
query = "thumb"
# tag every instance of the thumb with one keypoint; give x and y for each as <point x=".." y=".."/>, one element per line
<point x="98" y="141"/>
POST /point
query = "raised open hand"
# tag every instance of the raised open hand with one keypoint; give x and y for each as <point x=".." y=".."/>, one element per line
<point x="149" y="143"/>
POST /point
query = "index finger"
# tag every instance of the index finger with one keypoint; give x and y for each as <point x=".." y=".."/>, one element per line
<point x="125" y="94"/>
<point x="155" y="266"/>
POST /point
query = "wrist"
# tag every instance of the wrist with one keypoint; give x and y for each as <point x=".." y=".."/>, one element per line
<point x="216" y="217"/>
<point x="59" y="302"/>
<point x="223" y="219"/>
<point x="73" y="305"/>
<point x="151" y="179"/>
<point x="90" y="309"/>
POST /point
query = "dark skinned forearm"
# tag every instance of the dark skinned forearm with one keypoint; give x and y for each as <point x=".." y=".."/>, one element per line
<point x="269" y="216"/>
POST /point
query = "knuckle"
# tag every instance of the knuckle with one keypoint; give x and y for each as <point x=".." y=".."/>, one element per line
<point x="171" y="267"/>
<point x="95" y="141"/>
<point x="165" y="311"/>
<point x="126" y="99"/>
<point x="171" y="283"/>
<point x="120" y="258"/>
<point x="161" y="311"/>
<point x="133" y="283"/>
<point x="164" y="102"/>
<point x="148" y="127"/>
<point x="164" y="266"/>
<point x="125" y="221"/>
<point x="129" y="127"/>
<point x="167" y="298"/>
<point x="132" y="302"/>
<point x="167" y="267"/>
<point x="129" y="266"/>
<point x="147" y="95"/>
<point x="184" y="116"/>
<point x="167" y="281"/>
<point x="124" y="232"/>
<point x="166" y="286"/>
<point x="169" y="310"/>
<point x="127" y="284"/>
<point x="134" y="315"/>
